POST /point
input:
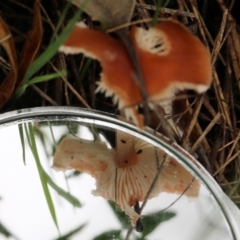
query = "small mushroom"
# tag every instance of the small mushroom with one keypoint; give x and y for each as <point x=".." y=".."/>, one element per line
<point x="117" y="77"/>
<point x="170" y="57"/>
<point x="134" y="160"/>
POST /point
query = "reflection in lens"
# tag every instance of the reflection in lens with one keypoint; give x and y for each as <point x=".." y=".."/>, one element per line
<point x="94" y="216"/>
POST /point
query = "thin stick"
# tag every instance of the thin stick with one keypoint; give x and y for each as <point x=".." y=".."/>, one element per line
<point x="209" y="127"/>
<point x="193" y="122"/>
<point x="44" y="95"/>
<point x="166" y="10"/>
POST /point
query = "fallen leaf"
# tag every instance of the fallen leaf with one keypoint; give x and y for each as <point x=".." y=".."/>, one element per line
<point x="109" y="12"/>
<point x="32" y="44"/>
<point x="8" y="84"/>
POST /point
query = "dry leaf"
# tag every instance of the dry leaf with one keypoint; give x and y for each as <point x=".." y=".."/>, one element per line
<point x="32" y="44"/>
<point x="15" y="76"/>
<point x="112" y="13"/>
<point x="8" y="84"/>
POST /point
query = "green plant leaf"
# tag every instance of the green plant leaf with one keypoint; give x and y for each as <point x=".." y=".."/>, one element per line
<point x="4" y="231"/>
<point x="121" y="216"/>
<point x="68" y="235"/>
<point x="109" y="235"/>
<point x="150" y="222"/>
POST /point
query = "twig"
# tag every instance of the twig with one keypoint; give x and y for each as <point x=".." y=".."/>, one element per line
<point x="192" y="123"/>
<point x="44" y="95"/>
<point x="166" y="10"/>
<point x="209" y="127"/>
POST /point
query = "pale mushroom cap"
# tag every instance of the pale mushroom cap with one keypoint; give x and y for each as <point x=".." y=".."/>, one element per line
<point x="136" y="168"/>
<point x="82" y="155"/>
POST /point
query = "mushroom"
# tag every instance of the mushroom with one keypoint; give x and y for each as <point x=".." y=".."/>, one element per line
<point x="117" y="77"/>
<point x="125" y="174"/>
<point x="170" y="57"/>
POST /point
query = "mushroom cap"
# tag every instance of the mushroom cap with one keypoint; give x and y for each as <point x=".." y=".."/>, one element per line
<point x="82" y="155"/>
<point x="117" y="77"/>
<point x="170" y="57"/>
<point x="125" y="174"/>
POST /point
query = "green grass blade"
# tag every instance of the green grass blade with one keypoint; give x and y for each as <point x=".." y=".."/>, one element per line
<point x="46" y="78"/>
<point x="51" y="50"/>
<point x="84" y="71"/>
<point x="53" y="138"/>
<point x="70" y="198"/>
<point x="43" y="178"/>
<point x="71" y="233"/>
<point x="74" y="201"/>
<point x="39" y="79"/>
<point x="166" y="3"/>
<point x="4" y="231"/>
<point x="60" y="21"/>
<point x="156" y="13"/>
<point x="20" y="129"/>
<point x="27" y="135"/>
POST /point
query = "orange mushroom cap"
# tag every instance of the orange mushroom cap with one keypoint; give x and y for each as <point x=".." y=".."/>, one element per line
<point x="171" y="58"/>
<point x="117" y="77"/>
<point x="135" y="161"/>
